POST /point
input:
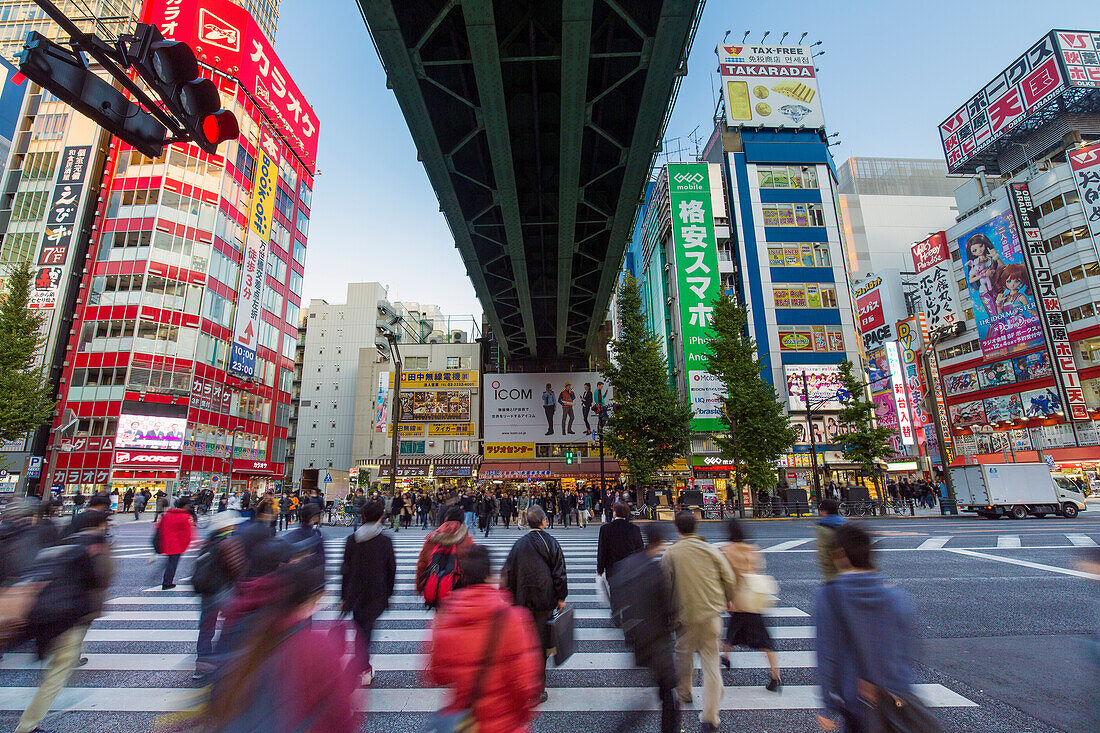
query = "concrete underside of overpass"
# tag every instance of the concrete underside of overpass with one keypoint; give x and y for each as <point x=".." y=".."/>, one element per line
<point x="537" y="122"/>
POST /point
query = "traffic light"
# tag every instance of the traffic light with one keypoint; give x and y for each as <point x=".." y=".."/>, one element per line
<point x="63" y="74"/>
<point x="172" y="72"/>
<point x="569" y="458"/>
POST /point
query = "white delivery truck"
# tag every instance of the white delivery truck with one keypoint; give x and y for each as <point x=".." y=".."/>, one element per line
<point x="1014" y="490"/>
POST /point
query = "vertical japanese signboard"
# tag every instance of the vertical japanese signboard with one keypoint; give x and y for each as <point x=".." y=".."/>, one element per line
<point x="901" y="399"/>
<point x="937" y="392"/>
<point x="931" y="262"/>
<point x="61" y="220"/>
<point x="1050" y="307"/>
<point x="1085" y="165"/>
<point x="697" y="285"/>
<point x="909" y="344"/>
<point x="246" y="325"/>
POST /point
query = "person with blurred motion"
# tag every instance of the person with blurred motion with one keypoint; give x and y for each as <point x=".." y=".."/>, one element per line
<point x="497" y="676"/>
<point x="642" y="599"/>
<point x="437" y="566"/>
<point x="78" y="502"/>
<point x="486" y="510"/>
<point x="308" y="532"/>
<point x="824" y="532"/>
<point x="20" y="539"/>
<point x="1090" y="563"/>
<point x="534" y="573"/>
<point x="368" y="576"/>
<point x="220" y="563"/>
<point x="746" y="624"/>
<point x="46" y="526"/>
<point x="703" y="588"/>
<point x="866" y="632"/>
<point x="259" y="530"/>
<point x="274" y="657"/>
<point x="161" y="506"/>
<point x="396" y="508"/>
<point x="619" y="539"/>
<point x="177" y="531"/>
<point x="140" y="500"/>
<point x="75" y="576"/>
<point x="424" y="509"/>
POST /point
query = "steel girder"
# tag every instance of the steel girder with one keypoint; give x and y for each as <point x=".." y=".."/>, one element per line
<point x="537" y="122"/>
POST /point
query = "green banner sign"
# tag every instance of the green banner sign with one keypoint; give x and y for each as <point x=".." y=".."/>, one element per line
<point x="698" y="285"/>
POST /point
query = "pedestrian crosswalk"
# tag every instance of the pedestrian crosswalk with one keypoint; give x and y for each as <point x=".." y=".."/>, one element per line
<point x="151" y="633"/>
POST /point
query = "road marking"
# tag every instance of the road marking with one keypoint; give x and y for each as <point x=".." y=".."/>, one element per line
<point x="1081" y="540"/>
<point x="784" y="546"/>
<point x="1027" y="564"/>
<point x="935" y="543"/>
<point x="1008" y="541"/>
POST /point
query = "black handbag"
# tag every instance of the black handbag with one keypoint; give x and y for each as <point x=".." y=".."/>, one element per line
<point x="561" y="635"/>
<point x="889" y="711"/>
<point x="463" y="720"/>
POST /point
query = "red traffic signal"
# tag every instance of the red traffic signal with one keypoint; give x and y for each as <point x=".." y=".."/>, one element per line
<point x="219" y="127"/>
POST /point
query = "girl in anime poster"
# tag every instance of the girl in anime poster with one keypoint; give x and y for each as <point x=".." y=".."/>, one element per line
<point x="985" y="261"/>
<point x="1011" y="285"/>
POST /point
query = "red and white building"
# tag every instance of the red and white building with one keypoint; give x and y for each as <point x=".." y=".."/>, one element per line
<point x="180" y="360"/>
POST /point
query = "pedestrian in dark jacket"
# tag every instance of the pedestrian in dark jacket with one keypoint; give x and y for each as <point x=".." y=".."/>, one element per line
<point x="486" y="510"/>
<point x="368" y="573"/>
<point x="866" y="630"/>
<point x="307" y="535"/>
<point x="618" y="540"/>
<point x="424" y="509"/>
<point x="256" y="533"/>
<point x="177" y="530"/>
<point x="140" y="500"/>
<point x="535" y="575"/>
<point x="829" y="511"/>
<point x="228" y="564"/>
<point x="396" y="508"/>
<point x="642" y="600"/>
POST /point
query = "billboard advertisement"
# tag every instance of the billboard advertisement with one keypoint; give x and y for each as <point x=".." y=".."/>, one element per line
<point x="424" y="405"/>
<point x="1080" y="52"/>
<point x="150" y="432"/>
<point x="1085" y="165"/>
<point x="875" y="312"/>
<point x="908" y="344"/>
<point x="1041" y="402"/>
<point x="997" y="374"/>
<point x="253" y="278"/>
<point x="901" y="398"/>
<point x="934" y="284"/>
<point x="697" y="284"/>
<point x="823" y="382"/>
<point x="61" y="222"/>
<point x="543" y="407"/>
<point x="382" y="400"/>
<point x="770" y="86"/>
<point x="930" y="252"/>
<point x="1032" y="366"/>
<point x="1011" y="97"/>
<point x="1004" y="408"/>
<point x="961" y="382"/>
<point x="1004" y="306"/>
<point x="967" y="413"/>
<point x="225" y="36"/>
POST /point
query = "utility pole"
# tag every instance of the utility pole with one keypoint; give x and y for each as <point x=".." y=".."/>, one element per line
<point x="396" y="421"/>
<point x="813" y="441"/>
<point x="941" y="426"/>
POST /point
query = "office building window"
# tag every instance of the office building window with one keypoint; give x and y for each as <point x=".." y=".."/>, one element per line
<point x="786" y="176"/>
<point x="793" y="215"/>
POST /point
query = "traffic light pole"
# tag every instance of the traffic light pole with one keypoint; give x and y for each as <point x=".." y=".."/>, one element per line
<point x="396" y="421"/>
<point x="813" y="441"/>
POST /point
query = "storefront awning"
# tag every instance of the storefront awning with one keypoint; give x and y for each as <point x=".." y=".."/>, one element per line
<point x="541" y="470"/>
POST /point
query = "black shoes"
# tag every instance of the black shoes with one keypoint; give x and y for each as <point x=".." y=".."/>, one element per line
<point x="774" y="685"/>
<point x="168" y="586"/>
<point x="544" y="697"/>
<point x="725" y="661"/>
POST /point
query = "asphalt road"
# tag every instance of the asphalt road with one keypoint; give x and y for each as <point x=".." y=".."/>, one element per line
<point x="1003" y="616"/>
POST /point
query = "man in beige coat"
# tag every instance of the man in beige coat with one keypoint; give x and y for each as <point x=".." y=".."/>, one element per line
<point x="702" y="589"/>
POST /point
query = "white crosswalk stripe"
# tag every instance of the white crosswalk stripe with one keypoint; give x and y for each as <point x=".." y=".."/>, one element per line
<point x="152" y="633"/>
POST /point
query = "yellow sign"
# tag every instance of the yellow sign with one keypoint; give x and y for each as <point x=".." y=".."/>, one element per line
<point x="678" y="466"/>
<point x="568" y="484"/>
<point x="448" y="379"/>
<point x="408" y="430"/>
<point x="509" y="450"/>
<point x="449" y="429"/>
<point x="263" y="195"/>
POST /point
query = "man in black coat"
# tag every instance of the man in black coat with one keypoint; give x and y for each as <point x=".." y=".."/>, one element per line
<point x="368" y="574"/>
<point x="506" y="505"/>
<point x="534" y="573"/>
<point x="643" y="603"/>
<point x="618" y="540"/>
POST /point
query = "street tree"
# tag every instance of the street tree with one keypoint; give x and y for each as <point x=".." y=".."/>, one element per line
<point x="864" y="442"/>
<point x="650" y="425"/>
<point x="25" y="394"/>
<point x="759" y="429"/>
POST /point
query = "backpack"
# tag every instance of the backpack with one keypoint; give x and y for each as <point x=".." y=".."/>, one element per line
<point x="442" y="576"/>
<point x="62" y="599"/>
<point x="210" y="573"/>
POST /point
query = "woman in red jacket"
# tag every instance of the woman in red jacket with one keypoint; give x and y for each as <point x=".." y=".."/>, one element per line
<point x="461" y="631"/>
<point x="176" y="530"/>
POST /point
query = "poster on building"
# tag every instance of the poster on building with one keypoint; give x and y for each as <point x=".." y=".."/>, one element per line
<point x="442" y="379"/>
<point x="61" y="222"/>
<point x="543" y="407"/>
<point x="1080" y="51"/>
<point x="935" y="286"/>
<point x="253" y="277"/>
<point x="1004" y="306"/>
<point x="770" y="86"/>
<point x="697" y="284"/>
<point x="930" y="252"/>
<point x="823" y="383"/>
<point x="961" y="382"/>
<point x="382" y="401"/>
<point x="901" y="396"/>
<point x="1032" y="366"/>
<point x="1042" y="402"/>
<point x="1085" y="164"/>
<point x="878" y="368"/>
<point x="997" y="374"/>
<point x="1050" y="307"/>
<point x="423" y="405"/>
<point x="876" y="317"/>
<point x="908" y="345"/>
<point x="886" y="413"/>
<point x="966" y="414"/>
<point x="1003" y="408"/>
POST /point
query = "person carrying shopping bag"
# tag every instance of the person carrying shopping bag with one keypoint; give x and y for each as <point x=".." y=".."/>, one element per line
<point x="754" y="592"/>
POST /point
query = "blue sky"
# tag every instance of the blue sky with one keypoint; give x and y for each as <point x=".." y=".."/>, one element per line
<point x="891" y="72"/>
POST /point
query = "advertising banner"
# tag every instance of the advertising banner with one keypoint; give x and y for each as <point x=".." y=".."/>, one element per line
<point x="452" y="430"/>
<point x="1050" y="306"/>
<point x="1085" y="165"/>
<point x="1032" y="366"/>
<point x="908" y="345"/>
<point x="1004" y="408"/>
<point x="225" y="36"/>
<point x="509" y="450"/>
<point x="1010" y="98"/>
<point x="823" y="382"/>
<point x="126" y="458"/>
<point x="886" y="412"/>
<point x="997" y="374"/>
<point x="1080" y="52"/>
<point x="207" y="394"/>
<point x="876" y="318"/>
<point x="934" y="284"/>
<point x="1041" y="402"/>
<point x="383" y="400"/>
<point x="425" y="405"/>
<point x="543" y="407"/>
<point x="967" y="413"/>
<point x="61" y="222"/>
<point x="770" y="86"/>
<point x="938" y="425"/>
<point x="450" y="379"/>
<point x="1004" y="304"/>
<point x="253" y="278"/>
<point x="961" y="382"/>
<point x="407" y="430"/>
<point x="697" y="284"/>
<point x="930" y="252"/>
<point x="901" y="398"/>
<point x="150" y="432"/>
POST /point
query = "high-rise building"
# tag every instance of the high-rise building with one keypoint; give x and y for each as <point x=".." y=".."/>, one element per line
<point x="177" y="371"/>
<point x="264" y="12"/>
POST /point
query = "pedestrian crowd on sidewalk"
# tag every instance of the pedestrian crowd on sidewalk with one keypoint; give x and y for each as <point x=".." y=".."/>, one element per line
<point x="681" y="601"/>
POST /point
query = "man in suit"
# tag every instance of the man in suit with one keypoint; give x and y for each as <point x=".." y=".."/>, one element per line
<point x="619" y="539"/>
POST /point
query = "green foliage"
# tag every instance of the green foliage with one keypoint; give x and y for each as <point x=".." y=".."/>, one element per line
<point x="760" y="431"/>
<point x="650" y="425"/>
<point x="864" y="443"/>
<point x="25" y="400"/>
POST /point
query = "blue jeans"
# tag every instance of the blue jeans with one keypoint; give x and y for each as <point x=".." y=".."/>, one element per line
<point x="471" y="520"/>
